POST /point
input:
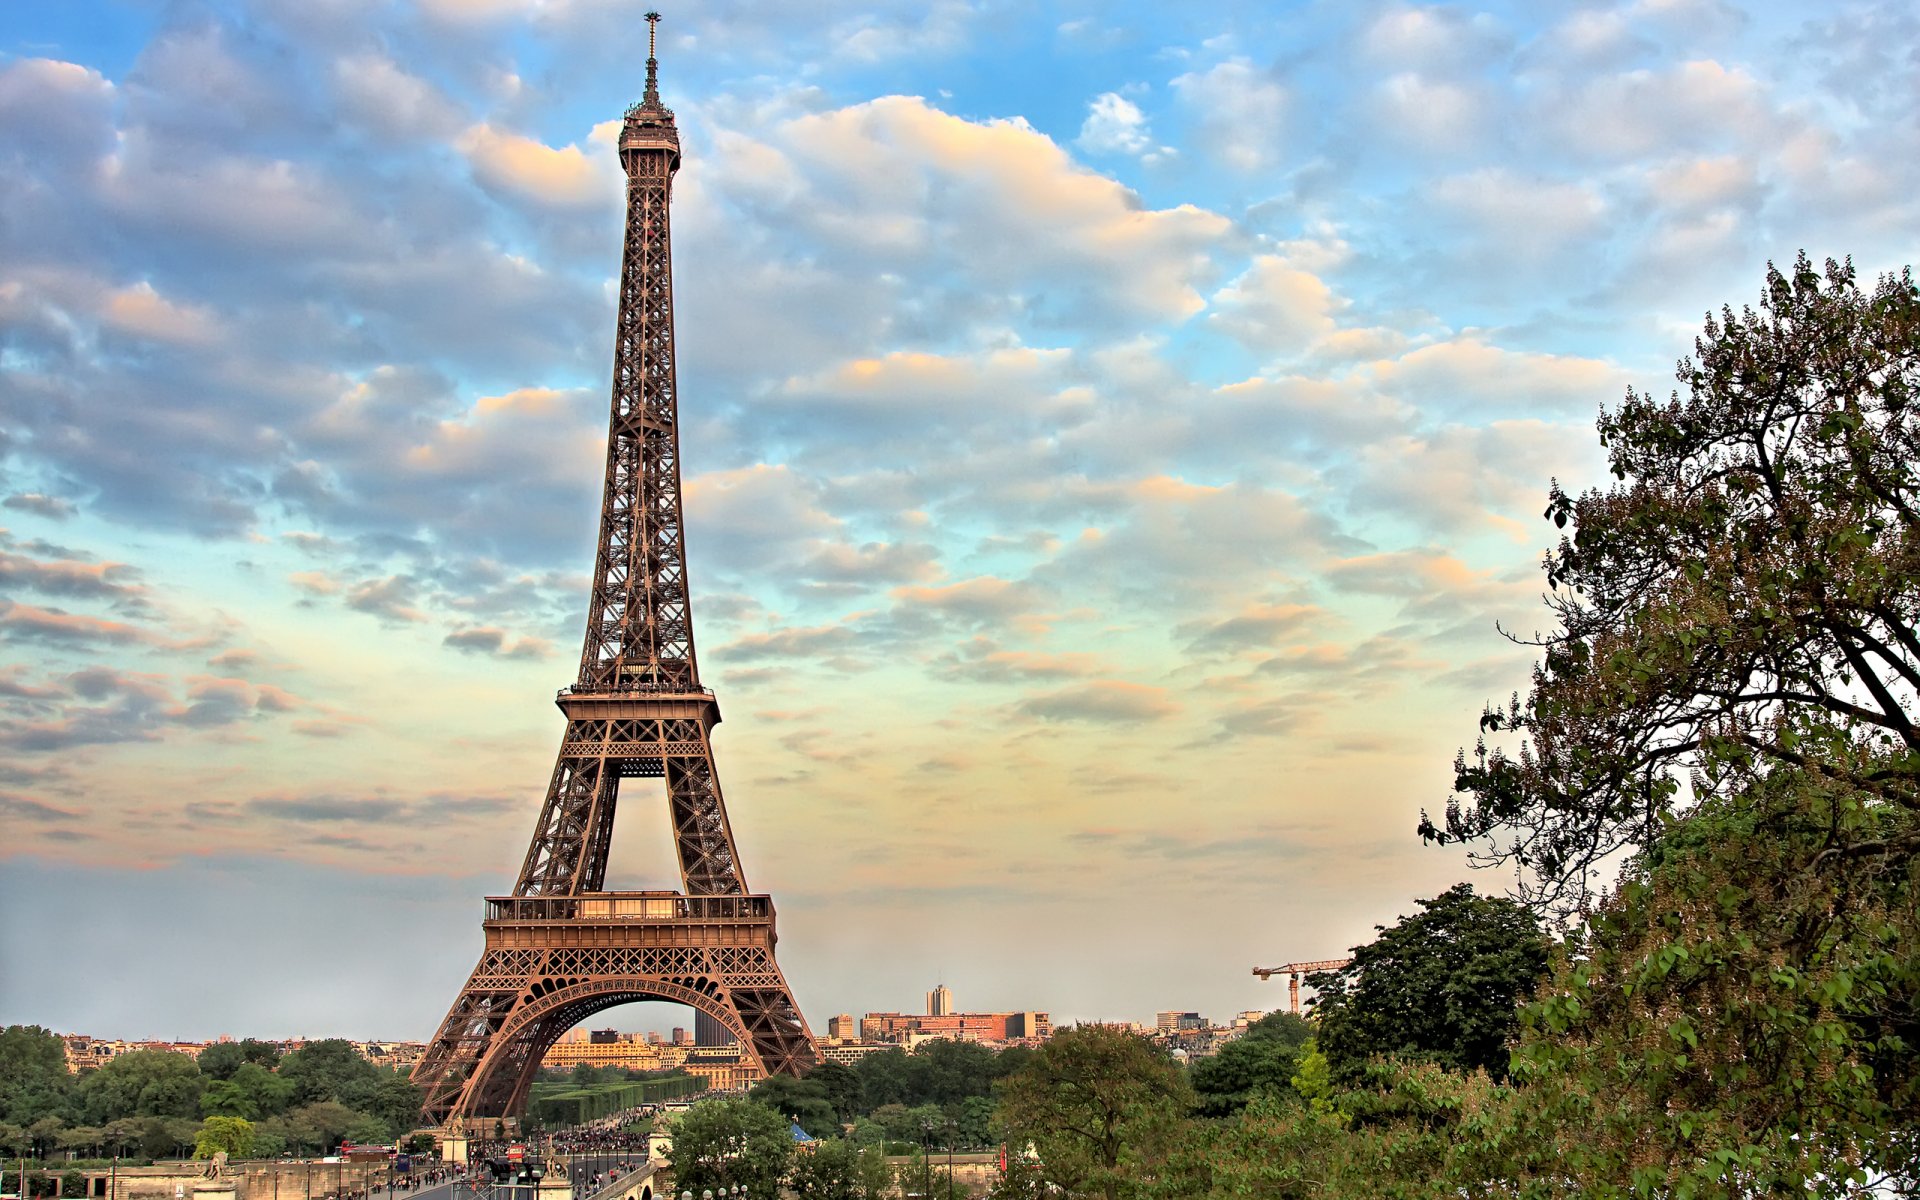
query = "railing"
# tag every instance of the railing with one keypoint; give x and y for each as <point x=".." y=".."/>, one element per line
<point x="632" y="1179"/>
<point x="645" y="907"/>
<point x="631" y="689"/>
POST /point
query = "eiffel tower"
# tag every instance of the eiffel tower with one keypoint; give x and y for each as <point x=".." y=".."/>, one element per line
<point x="562" y="948"/>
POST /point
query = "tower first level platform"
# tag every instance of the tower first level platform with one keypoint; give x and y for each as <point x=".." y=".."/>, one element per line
<point x="551" y="962"/>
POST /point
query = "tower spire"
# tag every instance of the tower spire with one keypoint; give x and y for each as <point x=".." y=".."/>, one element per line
<point x="653" y="64"/>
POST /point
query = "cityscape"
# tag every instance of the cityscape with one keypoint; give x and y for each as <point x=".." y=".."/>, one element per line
<point x="709" y="1051"/>
<point x="1108" y="465"/>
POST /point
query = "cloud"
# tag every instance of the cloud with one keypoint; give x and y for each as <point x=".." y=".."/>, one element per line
<point x="982" y="600"/>
<point x="1469" y="375"/>
<point x="1114" y="125"/>
<point x="824" y="642"/>
<point x="897" y="181"/>
<point x="391" y="599"/>
<point x="26" y="808"/>
<point x="389" y="101"/>
<point x="980" y="663"/>
<point x="109" y="581"/>
<point x="532" y="170"/>
<point x="1523" y="218"/>
<point x="143" y="312"/>
<point x="52" y="507"/>
<point x="487" y="640"/>
<point x="26" y="623"/>
<point x="1103" y="702"/>
<point x="1275" y="308"/>
<point x="1240" y="114"/>
<point x="1257" y="626"/>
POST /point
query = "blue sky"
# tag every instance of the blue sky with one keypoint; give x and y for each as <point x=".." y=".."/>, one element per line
<point x="1112" y="435"/>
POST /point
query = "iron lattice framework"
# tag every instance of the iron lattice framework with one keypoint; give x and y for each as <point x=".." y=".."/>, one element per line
<point x="561" y="947"/>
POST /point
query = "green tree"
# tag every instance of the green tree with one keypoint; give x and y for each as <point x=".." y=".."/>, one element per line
<point x="1312" y="1080"/>
<point x="395" y="1099"/>
<point x="1442" y="985"/>
<point x="222" y="1059"/>
<point x="835" y="1169"/>
<point x="1286" y="1028"/>
<point x="841" y="1087"/>
<point x="34" y="1081"/>
<point x="1745" y="598"/>
<point x="1223" y="1083"/>
<point x="721" y="1143"/>
<point x="330" y="1069"/>
<point x="1740" y="1015"/>
<point x="142" y="1083"/>
<point x="43" y="1135"/>
<point x="316" y="1127"/>
<point x="252" y="1092"/>
<point x="86" y="1140"/>
<point x="231" y="1134"/>
<point x="886" y="1078"/>
<point x="1102" y="1106"/>
<point x="972" y="1121"/>
<point x="800" y="1100"/>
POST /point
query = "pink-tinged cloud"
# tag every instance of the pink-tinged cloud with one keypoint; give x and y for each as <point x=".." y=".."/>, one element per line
<point x="24" y="622"/>
<point x="1104" y="702"/>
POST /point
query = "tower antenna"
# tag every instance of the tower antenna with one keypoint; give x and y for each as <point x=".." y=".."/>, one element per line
<point x="653" y="64"/>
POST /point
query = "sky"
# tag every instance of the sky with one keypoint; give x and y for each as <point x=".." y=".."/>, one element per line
<point x="1115" y="437"/>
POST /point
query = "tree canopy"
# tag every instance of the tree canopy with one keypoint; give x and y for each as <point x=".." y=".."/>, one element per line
<point x="722" y="1143"/>
<point x="1743" y="599"/>
<point x="1101" y="1106"/>
<point x="1440" y="986"/>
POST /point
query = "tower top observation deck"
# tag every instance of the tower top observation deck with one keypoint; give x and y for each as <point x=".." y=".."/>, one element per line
<point x="649" y="124"/>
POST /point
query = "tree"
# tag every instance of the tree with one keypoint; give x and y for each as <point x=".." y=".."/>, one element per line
<point x="721" y="1143"/>
<point x="142" y="1083"/>
<point x="252" y="1092"/>
<point x="836" y="1169"/>
<point x="1744" y="599"/>
<point x="886" y="1078"/>
<point x="34" y="1081"/>
<point x="330" y="1069"/>
<point x="222" y="1059"/>
<point x="395" y="1099"/>
<point x="802" y="1101"/>
<point x="1100" y="1105"/>
<point x="1735" y="1019"/>
<point x="1442" y="986"/>
<point x="234" y="1135"/>
<point x="1223" y="1083"/>
<point x="841" y="1087"/>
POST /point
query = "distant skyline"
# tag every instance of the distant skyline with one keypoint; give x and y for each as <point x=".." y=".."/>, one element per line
<point x="1111" y="435"/>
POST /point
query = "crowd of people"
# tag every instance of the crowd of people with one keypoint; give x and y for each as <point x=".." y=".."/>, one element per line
<point x="592" y="1155"/>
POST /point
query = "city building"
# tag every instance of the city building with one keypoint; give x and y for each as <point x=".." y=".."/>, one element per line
<point x="843" y="1028"/>
<point x="1173" y="1022"/>
<point x="940" y="1001"/>
<point x="905" y="1028"/>
<point x="849" y="1053"/>
<point x="629" y="1050"/>
<point x="708" y="1031"/>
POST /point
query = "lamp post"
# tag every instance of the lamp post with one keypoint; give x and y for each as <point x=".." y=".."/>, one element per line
<point x="951" y="1129"/>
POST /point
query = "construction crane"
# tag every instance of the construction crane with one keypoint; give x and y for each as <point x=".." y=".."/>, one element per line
<point x="1293" y="972"/>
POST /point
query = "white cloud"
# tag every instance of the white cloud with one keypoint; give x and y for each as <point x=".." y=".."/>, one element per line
<point x="387" y="99"/>
<point x="1114" y="125"/>
<point x="1240" y="114"/>
<point x="1275" y="307"/>
<point x="1521" y="217"/>
<point x="565" y="177"/>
